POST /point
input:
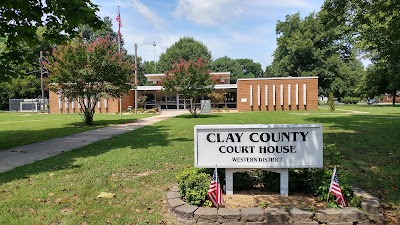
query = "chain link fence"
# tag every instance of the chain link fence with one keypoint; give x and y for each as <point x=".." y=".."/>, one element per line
<point x="29" y="105"/>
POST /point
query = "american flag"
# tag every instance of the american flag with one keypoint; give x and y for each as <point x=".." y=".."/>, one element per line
<point x="336" y="190"/>
<point x="119" y="19"/>
<point x="215" y="191"/>
<point x="119" y="24"/>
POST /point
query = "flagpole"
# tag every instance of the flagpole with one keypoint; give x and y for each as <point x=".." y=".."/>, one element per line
<point x="119" y="51"/>
<point x="330" y="185"/>
<point x="119" y="32"/>
<point x="216" y="172"/>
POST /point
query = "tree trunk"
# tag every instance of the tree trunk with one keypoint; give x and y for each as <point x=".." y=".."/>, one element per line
<point x="394" y="98"/>
<point x="88" y="117"/>
<point x="192" y="108"/>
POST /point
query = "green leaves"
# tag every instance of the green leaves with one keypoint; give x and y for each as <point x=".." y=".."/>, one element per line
<point x="60" y="17"/>
<point x="313" y="47"/>
<point x="187" y="49"/>
<point x="89" y="70"/>
<point x="189" y="79"/>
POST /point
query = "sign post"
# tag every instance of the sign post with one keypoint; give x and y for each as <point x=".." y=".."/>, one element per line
<point x="273" y="147"/>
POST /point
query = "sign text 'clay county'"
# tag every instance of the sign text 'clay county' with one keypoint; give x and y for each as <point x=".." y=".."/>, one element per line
<point x="259" y="146"/>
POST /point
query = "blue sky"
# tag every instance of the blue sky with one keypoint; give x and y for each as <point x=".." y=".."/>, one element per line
<point x="235" y="28"/>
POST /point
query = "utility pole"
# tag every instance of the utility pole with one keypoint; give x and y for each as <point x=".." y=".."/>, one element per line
<point x="41" y="81"/>
<point x="136" y="73"/>
<point x="136" y="91"/>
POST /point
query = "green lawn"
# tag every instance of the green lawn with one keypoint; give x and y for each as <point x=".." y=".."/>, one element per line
<point x="140" y="167"/>
<point x="25" y="128"/>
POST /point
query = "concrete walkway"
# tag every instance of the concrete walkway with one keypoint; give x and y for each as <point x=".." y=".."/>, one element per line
<point x="21" y="155"/>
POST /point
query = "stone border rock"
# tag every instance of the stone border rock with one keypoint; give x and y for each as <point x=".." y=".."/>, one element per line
<point x="189" y="214"/>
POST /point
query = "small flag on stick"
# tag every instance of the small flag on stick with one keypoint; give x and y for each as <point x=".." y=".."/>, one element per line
<point x="215" y="191"/>
<point x="335" y="189"/>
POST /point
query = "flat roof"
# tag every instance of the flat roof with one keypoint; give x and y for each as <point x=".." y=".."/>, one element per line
<point x="154" y="75"/>
<point x="162" y="74"/>
<point x="149" y="88"/>
<point x="225" y="86"/>
<point x="159" y="88"/>
<point x="277" y="78"/>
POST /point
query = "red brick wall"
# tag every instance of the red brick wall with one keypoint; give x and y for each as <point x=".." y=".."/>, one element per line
<point x="112" y="104"/>
<point x="244" y="97"/>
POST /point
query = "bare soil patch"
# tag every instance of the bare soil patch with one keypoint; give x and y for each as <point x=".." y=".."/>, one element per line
<point x="258" y="198"/>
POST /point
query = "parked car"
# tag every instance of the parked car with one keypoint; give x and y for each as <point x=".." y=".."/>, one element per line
<point x="371" y="101"/>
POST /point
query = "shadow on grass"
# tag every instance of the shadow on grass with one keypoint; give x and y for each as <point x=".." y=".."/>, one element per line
<point x="142" y="138"/>
<point x="201" y="116"/>
<point x="16" y="138"/>
<point x="370" y="150"/>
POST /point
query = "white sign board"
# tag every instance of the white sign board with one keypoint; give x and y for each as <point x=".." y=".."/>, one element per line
<point x="258" y="146"/>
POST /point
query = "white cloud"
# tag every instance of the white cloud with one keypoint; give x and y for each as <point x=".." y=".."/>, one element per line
<point x="148" y="14"/>
<point x="204" y="12"/>
<point x="213" y="12"/>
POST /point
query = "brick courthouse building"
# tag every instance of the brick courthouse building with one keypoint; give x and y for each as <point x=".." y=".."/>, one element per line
<point x="252" y="94"/>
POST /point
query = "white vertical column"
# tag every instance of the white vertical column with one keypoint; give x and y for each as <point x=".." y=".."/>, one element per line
<point x="105" y="103"/>
<point x="59" y="101"/>
<point x="273" y="95"/>
<point x="91" y="102"/>
<point x="251" y="95"/>
<point x="297" y="94"/>
<point x="99" y="104"/>
<point x="66" y="102"/>
<point x="305" y="94"/>
<point x="177" y="101"/>
<point x="229" y="181"/>
<point x="266" y="95"/>
<point x="73" y="103"/>
<point x="85" y="101"/>
<point x="289" y="96"/>
<point x="258" y="96"/>
<point x="284" y="182"/>
<point x="281" y="91"/>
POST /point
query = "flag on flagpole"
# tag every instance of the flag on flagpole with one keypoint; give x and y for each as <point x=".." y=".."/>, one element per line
<point x="335" y="189"/>
<point x="215" y="191"/>
<point x="119" y="31"/>
<point x="119" y="19"/>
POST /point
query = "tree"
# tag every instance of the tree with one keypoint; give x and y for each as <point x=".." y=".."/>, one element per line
<point x="308" y="47"/>
<point x="250" y="68"/>
<point x="239" y="68"/>
<point x="25" y="71"/>
<point x="216" y="98"/>
<point x="380" y="79"/>
<point x="187" y="49"/>
<point x="190" y="79"/>
<point x="331" y="102"/>
<point x="374" y="25"/>
<point x="90" y="34"/>
<point x="147" y="67"/>
<point x="89" y="71"/>
<point x="226" y="64"/>
<point x="20" y="20"/>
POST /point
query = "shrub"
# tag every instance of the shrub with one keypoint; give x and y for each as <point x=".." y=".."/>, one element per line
<point x="331" y="102"/>
<point x="154" y="111"/>
<point x="245" y="180"/>
<point x="193" y="185"/>
<point x="350" y="100"/>
<point x="314" y="181"/>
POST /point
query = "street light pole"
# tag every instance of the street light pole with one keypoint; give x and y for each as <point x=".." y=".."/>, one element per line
<point x="136" y="71"/>
<point x="136" y="105"/>
<point x="41" y="82"/>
